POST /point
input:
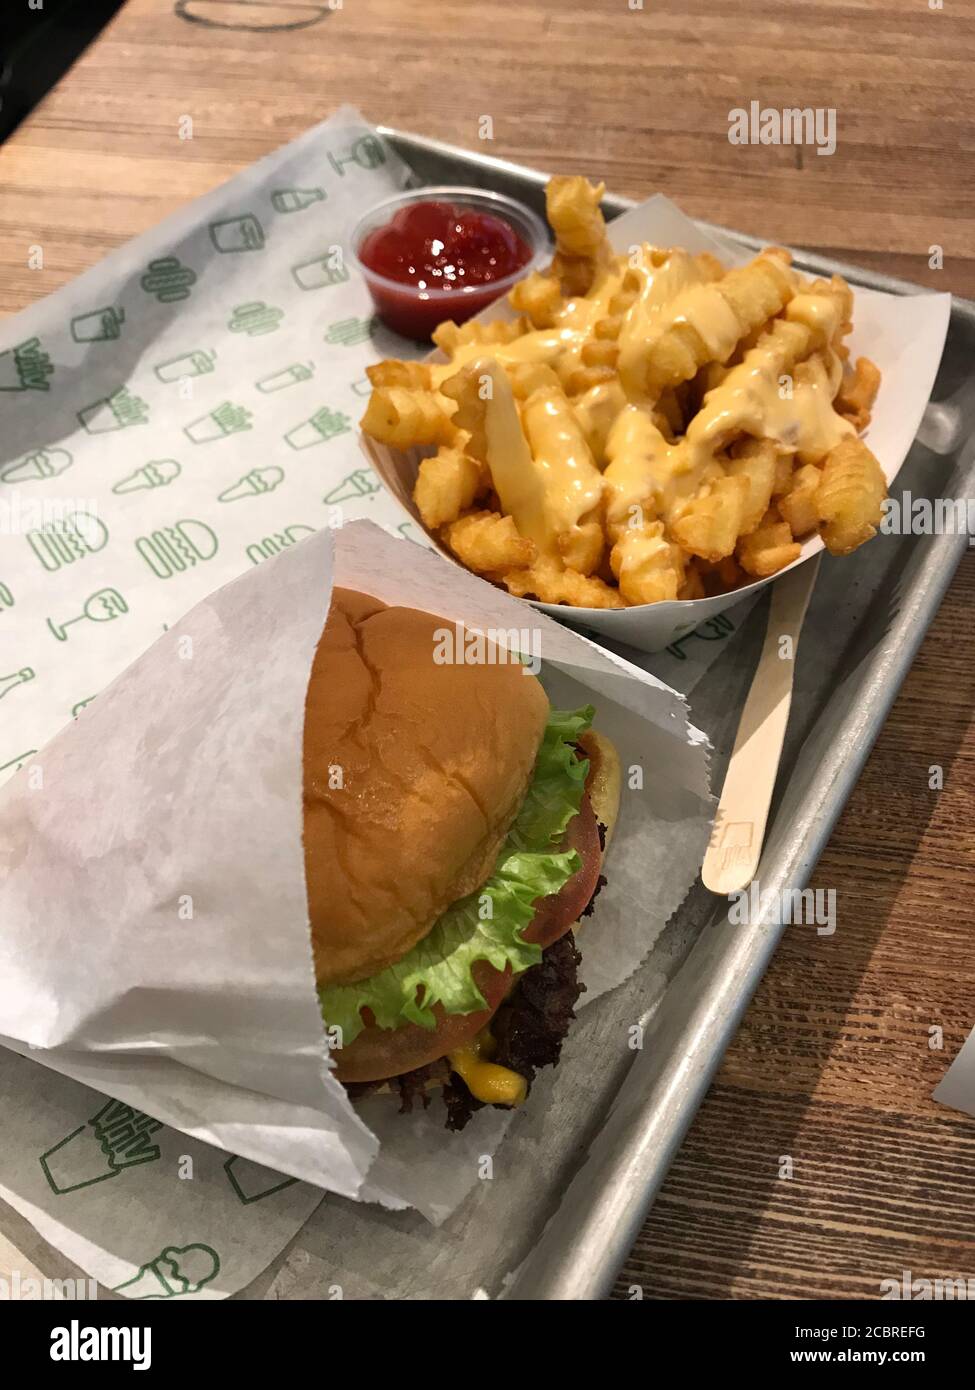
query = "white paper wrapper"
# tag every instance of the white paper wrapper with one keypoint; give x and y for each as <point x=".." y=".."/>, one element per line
<point x="155" y="942"/>
<point x="905" y="336"/>
<point x="957" y="1087"/>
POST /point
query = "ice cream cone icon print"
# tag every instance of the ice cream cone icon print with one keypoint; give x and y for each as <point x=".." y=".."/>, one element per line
<point x="103" y="606"/>
<point x="176" y="1270"/>
<point x="39" y="464"/>
<point x="253" y="484"/>
<point x="156" y="473"/>
<point x="115" y="1138"/>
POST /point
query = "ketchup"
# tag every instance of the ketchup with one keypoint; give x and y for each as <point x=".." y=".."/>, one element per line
<point x="457" y="253"/>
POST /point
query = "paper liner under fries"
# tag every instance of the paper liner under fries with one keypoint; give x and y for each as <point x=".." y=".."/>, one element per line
<point x="903" y="335"/>
<point x="154" y="939"/>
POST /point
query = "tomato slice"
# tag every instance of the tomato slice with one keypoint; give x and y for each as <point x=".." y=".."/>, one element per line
<point x="378" y="1053"/>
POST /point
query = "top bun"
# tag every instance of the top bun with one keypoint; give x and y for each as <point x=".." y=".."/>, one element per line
<point x="432" y="763"/>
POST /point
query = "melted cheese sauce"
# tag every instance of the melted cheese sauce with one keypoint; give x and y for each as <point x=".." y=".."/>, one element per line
<point x="486" y="1081"/>
<point x="545" y="455"/>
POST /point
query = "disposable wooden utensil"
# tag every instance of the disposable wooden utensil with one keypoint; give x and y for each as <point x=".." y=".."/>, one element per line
<point x="739" y="825"/>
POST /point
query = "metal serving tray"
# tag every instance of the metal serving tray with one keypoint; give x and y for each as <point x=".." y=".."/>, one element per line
<point x="579" y="1170"/>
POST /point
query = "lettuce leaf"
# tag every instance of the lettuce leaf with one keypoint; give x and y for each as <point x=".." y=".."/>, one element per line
<point x="438" y="969"/>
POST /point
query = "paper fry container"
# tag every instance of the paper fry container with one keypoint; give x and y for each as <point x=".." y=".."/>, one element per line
<point x="904" y="335"/>
<point x="154" y="937"/>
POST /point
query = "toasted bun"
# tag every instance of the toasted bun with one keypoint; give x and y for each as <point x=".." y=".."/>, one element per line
<point x="433" y="762"/>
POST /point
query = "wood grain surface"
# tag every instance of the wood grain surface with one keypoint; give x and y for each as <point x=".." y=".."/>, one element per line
<point x="832" y="1067"/>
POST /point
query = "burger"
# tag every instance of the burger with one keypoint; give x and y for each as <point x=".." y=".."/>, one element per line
<point x="454" y="833"/>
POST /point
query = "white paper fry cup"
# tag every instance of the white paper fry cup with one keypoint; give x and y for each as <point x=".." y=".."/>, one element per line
<point x="903" y="335"/>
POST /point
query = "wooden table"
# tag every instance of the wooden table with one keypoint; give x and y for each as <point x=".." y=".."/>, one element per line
<point x="832" y="1066"/>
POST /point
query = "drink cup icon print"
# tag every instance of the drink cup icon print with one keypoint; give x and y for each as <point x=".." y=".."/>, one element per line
<point x="288" y="376"/>
<point x="197" y="363"/>
<point x="172" y="550"/>
<point x="98" y="325"/>
<point x="233" y="234"/>
<point x="103" y="606"/>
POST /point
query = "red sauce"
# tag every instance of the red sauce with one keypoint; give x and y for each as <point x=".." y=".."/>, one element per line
<point x="435" y="246"/>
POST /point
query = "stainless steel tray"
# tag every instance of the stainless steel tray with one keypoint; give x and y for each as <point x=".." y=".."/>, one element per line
<point x="582" y="1166"/>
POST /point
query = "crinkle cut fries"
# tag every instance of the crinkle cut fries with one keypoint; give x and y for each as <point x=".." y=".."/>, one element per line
<point x="650" y="426"/>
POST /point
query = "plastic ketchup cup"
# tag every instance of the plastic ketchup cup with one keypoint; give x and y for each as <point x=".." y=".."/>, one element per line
<point x="444" y="253"/>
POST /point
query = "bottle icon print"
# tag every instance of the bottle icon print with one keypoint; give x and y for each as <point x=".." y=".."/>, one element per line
<point x="324" y="424"/>
<point x="243" y="233"/>
<point x="173" y="549"/>
<point x="367" y="152"/>
<point x="296" y="199"/>
<point x="255" y="319"/>
<point x="98" y="326"/>
<point x="103" y="606"/>
<point x="68" y="539"/>
<point x="189" y="364"/>
<point x="288" y="376"/>
<point x="156" y="473"/>
<point x="42" y="463"/>
<point x="25" y="368"/>
<point x="226" y="419"/>
<point x="253" y="484"/>
<point x="168" y="280"/>
<point x="119" y="411"/>
<point x="8" y="683"/>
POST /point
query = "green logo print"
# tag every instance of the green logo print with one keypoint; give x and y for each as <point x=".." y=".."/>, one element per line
<point x="168" y="280"/>
<point x="157" y="473"/>
<point x="98" y="326"/>
<point x="6" y="597"/>
<point x="253" y="484"/>
<point x="68" y="539"/>
<point x="242" y="233"/>
<point x="176" y="1270"/>
<point x="188" y="364"/>
<point x="274" y="544"/>
<point x="173" y="549"/>
<point x="324" y="424"/>
<point x="119" y="411"/>
<point x="350" y="332"/>
<point x="114" y="1139"/>
<point x="8" y="683"/>
<point x="15" y="764"/>
<point x="25" y="368"/>
<point x="103" y="606"/>
<point x="252" y="1182"/>
<point x="41" y="463"/>
<point x="361" y="483"/>
<point x="255" y="319"/>
<point x="367" y="152"/>
<point x="225" y="420"/>
<point x="329" y="269"/>
<point x="288" y="376"/>
<point x="296" y="199"/>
